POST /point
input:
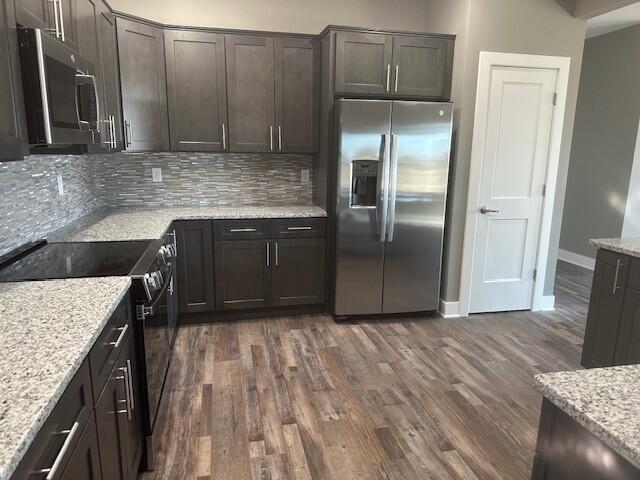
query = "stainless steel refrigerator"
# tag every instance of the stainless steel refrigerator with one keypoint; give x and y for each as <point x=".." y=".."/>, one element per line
<point x="393" y="168"/>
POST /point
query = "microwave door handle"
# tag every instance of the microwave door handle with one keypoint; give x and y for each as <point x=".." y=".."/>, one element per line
<point x="95" y="93"/>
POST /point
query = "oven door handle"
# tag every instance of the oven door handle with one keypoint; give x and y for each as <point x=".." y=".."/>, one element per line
<point x="148" y="310"/>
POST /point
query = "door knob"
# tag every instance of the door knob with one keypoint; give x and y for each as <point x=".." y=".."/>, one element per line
<point x="485" y="210"/>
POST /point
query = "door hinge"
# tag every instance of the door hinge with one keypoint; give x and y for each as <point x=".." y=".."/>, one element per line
<point x="544" y="190"/>
<point x="535" y="274"/>
<point x="555" y="98"/>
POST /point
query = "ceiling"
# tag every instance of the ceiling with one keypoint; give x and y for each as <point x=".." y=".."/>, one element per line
<point x="615" y="20"/>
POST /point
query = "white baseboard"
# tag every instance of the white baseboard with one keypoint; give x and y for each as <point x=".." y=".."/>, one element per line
<point x="577" y="259"/>
<point x="548" y="303"/>
<point x="449" y="309"/>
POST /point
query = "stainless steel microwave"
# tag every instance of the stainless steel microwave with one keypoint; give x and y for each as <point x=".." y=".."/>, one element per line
<point x="60" y="92"/>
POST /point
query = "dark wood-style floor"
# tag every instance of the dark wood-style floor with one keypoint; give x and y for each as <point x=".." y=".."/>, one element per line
<point x="307" y="398"/>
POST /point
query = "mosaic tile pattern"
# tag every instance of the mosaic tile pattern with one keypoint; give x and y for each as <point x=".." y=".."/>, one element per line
<point x="31" y="207"/>
<point x="29" y="200"/>
<point x="196" y="179"/>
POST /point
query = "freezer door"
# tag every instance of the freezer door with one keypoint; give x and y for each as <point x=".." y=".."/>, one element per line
<point x="420" y="148"/>
<point x="363" y="172"/>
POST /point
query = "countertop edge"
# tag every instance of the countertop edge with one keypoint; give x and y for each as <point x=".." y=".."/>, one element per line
<point x="610" y="439"/>
<point x="617" y="245"/>
<point x="39" y="421"/>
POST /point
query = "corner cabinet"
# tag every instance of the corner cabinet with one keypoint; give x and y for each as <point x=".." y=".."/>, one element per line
<point x="144" y="86"/>
<point x="197" y="90"/>
<point x="387" y="64"/>
<point x="612" y="334"/>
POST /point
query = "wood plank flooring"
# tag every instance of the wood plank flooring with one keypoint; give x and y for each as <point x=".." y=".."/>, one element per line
<point x="422" y="398"/>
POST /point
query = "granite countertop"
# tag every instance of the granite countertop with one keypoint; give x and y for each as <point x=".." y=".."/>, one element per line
<point x="626" y="246"/>
<point x="69" y="315"/>
<point x="605" y="401"/>
<point x="144" y="224"/>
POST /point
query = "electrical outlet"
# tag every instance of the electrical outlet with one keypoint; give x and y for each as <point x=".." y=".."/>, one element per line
<point x="304" y="175"/>
<point x="60" y="186"/>
<point x="156" y="174"/>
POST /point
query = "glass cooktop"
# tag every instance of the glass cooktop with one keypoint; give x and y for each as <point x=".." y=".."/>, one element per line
<point x="74" y="260"/>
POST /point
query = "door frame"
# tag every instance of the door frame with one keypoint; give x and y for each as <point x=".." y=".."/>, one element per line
<point x="488" y="60"/>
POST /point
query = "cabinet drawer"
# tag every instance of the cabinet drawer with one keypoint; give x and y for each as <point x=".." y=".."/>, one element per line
<point x="634" y="274"/>
<point x="58" y="437"/>
<point x="299" y="227"/>
<point x="250" y="229"/>
<point x="105" y="351"/>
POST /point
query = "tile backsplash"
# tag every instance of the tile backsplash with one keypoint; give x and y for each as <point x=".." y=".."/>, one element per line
<point x="31" y="205"/>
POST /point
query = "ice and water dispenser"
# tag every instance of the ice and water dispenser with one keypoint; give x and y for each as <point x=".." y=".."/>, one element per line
<point x="364" y="183"/>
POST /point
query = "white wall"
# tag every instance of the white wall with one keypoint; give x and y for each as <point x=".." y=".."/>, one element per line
<point x="300" y="16"/>
<point x="631" y="224"/>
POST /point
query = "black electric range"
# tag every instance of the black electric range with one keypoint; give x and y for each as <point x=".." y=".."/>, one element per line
<point x="151" y="264"/>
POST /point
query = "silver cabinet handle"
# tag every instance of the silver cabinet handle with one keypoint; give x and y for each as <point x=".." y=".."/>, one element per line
<point x="62" y="36"/>
<point x="130" y="371"/>
<point x="224" y="137"/>
<point x="276" y="254"/>
<point x="271" y="137"/>
<point x="397" y="75"/>
<point x="268" y="252"/>
<point x="298" y="228"/>
<point x="127" y="133"/>
<point x="239" y="230"/>
<point x="615" y="281"/>
<point x="279" y="138"/>
<point x="56" y="17"/>
<point x="123" y="332"/>
<point x="388" y="77"/>
<point x="485" y="210"/>
<point x="127" y="392"/>
<point x="51" y="472"/>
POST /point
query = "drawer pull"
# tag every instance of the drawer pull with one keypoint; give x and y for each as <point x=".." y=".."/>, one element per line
<point x="123" y="332"/>
<point x="242" y="230"/>
<point x="51" y="472"/>
<point x="298" y="228"/>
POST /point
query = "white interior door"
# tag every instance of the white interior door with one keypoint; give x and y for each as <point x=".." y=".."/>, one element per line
<point x="517" y="135"/>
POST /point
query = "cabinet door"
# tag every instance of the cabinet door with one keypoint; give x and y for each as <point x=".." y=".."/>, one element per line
<point x="196" y="90"/>
<point x="628" y="346"/>
<point x="250" y="82"/>
<point x="144" y="88"/>
<point x="10" y="94"/>
<point x="111" y="422"/>
<point x="605" y="309"/>
<point x="363" y="63"/>
<point x="299" y="271"/>
<point x="297" y="96"/>
<point x="106" y="25"/>
<point x="69" y="22"/>
<point x="242" y="274"/>
<point x="195" y="266"/>
<point x="85" y="461"/>
<point x="35" y="13"/>
<point x="420" y="66"/>
<point x="134" y="437"/>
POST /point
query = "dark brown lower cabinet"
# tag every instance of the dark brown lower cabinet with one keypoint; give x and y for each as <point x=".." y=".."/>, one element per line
<point x="628" y="347"/>
<point x="118" y="424"/>
<point x="242" y="269"/>
<point x="195" y="266"/>
<point x="566" y="450"/>
<point x="85" y="462"/>
<point x="298" y="274"/>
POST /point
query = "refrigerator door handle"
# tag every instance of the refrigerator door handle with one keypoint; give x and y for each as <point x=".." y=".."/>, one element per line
<point x="393" y="188"/>
<point x="382" y="207"/>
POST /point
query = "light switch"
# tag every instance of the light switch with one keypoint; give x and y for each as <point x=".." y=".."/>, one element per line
<point x="156" y="174"/>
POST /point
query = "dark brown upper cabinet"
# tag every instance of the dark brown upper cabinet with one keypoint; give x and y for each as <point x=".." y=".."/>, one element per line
<point x="111" y="132"/>
<point x="197" y="91"/>
<point x="68" y="19"/>
<point x="297" y="96"/>
<point x="421" y="65"/>
<point x="383" y="64"/>
<point x="605" y="309"/>
<point x="251" y="89"/>
<point x="144" y="86"/>
<point x="11" y="146"/>
<point x="36" y="13"/>
<point x="363" y="63"/>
